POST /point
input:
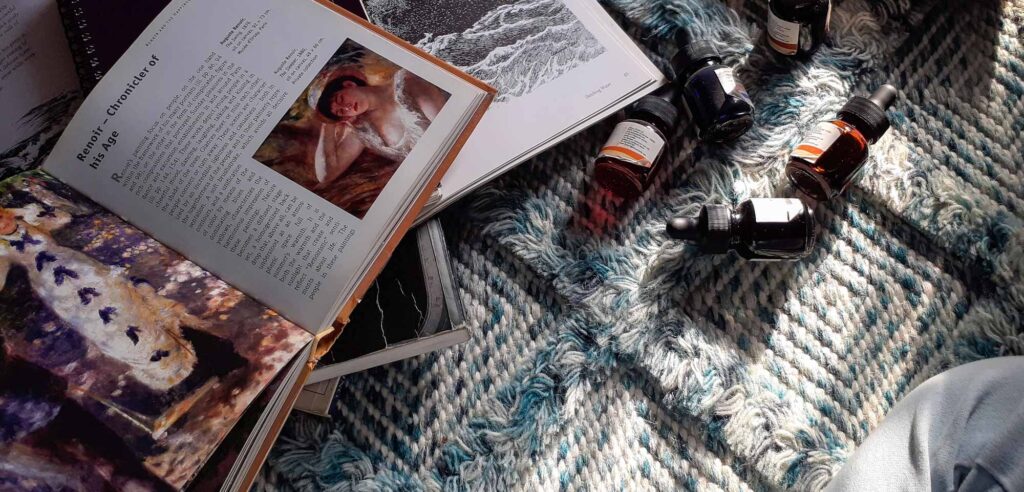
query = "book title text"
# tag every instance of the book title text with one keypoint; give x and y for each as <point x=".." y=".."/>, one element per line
<point x="100" y="143"/>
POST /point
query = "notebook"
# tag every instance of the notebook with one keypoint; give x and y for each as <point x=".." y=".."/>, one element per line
<point x="412" y="308"/>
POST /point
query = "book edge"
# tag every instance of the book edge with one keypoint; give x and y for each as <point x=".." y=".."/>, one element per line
<point x="275" y="427"/>
<point x="458" y="334"/>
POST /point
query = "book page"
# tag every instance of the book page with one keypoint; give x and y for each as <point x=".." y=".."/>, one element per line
<point x="556" y="64"/>
<point x="122" y="364"/>
<point x="38" y="86"/>
<point x="271" y="141"/>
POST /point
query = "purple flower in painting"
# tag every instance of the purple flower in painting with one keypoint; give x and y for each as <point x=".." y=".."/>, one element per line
<point x="133" y="334"/>
<point x="25" y="239"/>
<point x="107" y="314"/>
<point x="86" y="294"/>
<point x="42" y="259"/>
<point x="61" y="272"/>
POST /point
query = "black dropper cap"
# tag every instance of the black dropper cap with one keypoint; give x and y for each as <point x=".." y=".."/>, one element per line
<point x="711" y="230"/>
<point x="691" y="52"/>
<point x="868" y="113"/>
<point x="657" y="110"/>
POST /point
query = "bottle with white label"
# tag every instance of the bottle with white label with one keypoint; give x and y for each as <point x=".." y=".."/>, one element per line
<point x="633" y="151"/>
<point x="760" y="229"/>
<point x="833" y="153"/>
<point x="798" y="27"/>
<point x="718" y="103"/>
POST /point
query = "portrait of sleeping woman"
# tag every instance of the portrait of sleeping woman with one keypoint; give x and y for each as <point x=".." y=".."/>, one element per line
<point x="352" y="128"/>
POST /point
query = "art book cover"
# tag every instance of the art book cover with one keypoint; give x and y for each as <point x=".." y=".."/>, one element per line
<point x="123" y="364"/>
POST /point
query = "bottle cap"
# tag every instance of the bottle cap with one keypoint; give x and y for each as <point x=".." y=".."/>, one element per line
<point x="868" y="113"/>
<point x="711" y="230"/>
<point x="662" y="113"/>
<point x="690" y="53"/>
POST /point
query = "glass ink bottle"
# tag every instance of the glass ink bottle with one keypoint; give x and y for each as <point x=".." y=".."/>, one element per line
<point x="632" y="153"/>
<point x="762" y="229"/>
<point x="832" y="154"/>
<point x="798" y="27"/>
<point x="718" y="104"/>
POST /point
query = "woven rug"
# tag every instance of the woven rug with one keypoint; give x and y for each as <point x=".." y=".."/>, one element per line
<point x="605" y="357"/>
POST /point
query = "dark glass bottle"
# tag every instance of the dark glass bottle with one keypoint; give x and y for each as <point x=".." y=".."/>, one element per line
<point x="763" y="229"/>
<point x="718" y="104"/>
<point x="832" y="155"/>
<point x="633" y="151"/>
<point x="798" y="27"/>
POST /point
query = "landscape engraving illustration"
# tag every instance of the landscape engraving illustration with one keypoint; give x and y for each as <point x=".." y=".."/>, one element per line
<point x="514" y="45"/>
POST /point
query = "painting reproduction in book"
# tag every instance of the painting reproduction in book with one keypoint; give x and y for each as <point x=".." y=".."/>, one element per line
<point x="217" y="204"/>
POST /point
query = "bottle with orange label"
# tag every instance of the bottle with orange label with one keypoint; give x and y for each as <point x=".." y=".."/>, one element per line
<point x="832" y="154"/>
<point x="798" y="27"/>
<point x="633" y="151"/>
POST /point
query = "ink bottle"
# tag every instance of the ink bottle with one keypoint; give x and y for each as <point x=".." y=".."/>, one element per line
<point x="762" y="229"/>
<point x="833" y="154"/>
<point x="798" y="27"/>
<point x="718" y="104"/>
<point x="633" y="152"/>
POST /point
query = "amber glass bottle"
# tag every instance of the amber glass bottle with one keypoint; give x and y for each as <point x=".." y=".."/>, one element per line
<point x="763" y="229"/>
<point x="635" y="148"/>
<point x="832" y="155"/>
<point x="798" y="27"/>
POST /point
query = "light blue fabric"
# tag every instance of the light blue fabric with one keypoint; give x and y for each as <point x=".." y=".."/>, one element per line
<point x="960" y="430"/>
<point x="605" y="357"/>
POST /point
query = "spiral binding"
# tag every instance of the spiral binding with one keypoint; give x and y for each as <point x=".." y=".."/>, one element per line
<point x="80" y="40"/>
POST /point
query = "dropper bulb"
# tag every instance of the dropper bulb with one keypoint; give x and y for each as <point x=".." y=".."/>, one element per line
<point x="884" y="96"/>
<point x="684" y="228"/>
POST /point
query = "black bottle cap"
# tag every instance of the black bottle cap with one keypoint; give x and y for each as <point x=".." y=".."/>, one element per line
<point x="711" y="230"/>
<point x="798" y="9"/>
<point x="868" y="113"/>
<point x="657" y="110"/>
<point x="691" y="54"/>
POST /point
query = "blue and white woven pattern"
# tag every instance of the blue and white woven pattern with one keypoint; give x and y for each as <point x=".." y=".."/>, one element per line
<point x="605" y="357"/>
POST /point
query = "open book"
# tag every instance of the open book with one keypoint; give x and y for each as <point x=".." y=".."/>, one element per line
<point x="559" y="66"/>
<point x="200" y="232"/>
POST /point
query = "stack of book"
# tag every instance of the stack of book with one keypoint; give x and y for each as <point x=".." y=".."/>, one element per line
<point x="187" y="264"/>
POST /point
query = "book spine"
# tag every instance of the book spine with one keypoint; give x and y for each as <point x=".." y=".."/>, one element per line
<point x="83" y="51"/>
